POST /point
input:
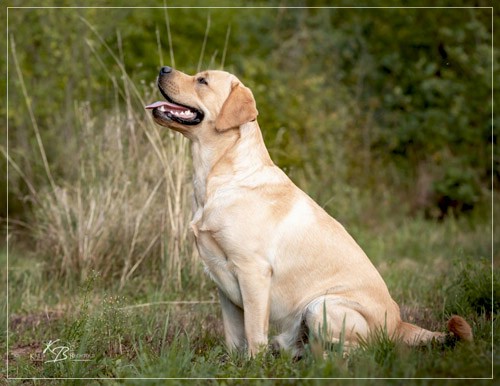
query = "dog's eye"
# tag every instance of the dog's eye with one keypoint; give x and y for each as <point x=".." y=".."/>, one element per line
<point x="202" y="81"/>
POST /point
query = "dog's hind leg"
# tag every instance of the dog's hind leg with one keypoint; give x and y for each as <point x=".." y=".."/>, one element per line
<point x="335" y="321"/>
<point x="292" y="338"/>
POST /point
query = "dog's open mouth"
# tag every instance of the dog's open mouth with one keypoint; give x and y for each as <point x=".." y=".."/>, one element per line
<point x="171" y="111"/>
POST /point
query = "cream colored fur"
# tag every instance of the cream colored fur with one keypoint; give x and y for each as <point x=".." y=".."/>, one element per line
<point x="274" y="253"/>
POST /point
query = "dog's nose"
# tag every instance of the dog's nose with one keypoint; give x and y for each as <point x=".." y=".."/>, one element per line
<point x="165" y="70"/>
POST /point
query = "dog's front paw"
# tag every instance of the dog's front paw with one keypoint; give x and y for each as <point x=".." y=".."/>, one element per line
<point x="255" y="349"/>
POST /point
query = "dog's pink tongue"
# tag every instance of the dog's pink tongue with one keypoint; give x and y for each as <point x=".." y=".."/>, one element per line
<point x="155" y="105"/>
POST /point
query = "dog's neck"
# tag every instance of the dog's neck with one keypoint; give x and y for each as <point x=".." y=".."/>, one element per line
<point x="236" y="153"/>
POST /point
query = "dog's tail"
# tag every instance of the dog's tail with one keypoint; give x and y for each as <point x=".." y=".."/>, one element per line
<point x="414" y="335"/>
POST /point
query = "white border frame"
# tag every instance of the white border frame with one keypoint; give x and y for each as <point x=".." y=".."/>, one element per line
<point x="242" y="7"/>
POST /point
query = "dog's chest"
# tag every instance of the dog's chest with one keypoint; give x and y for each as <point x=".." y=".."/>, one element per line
<point x="216" y="262"/>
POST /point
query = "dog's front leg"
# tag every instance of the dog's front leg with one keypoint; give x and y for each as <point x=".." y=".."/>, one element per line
<point x="234" y="327"/>
<point x="255" y="286"/>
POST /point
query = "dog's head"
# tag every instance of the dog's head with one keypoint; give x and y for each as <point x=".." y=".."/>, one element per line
<point x="210" y="100"/>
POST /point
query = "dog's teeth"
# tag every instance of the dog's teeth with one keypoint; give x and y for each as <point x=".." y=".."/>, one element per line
<point x="183" y="114"/>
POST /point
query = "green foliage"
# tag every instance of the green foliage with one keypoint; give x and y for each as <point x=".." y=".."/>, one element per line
<point x="372" y="98"/>
<point x="458" y="190"/>
<point x="418" y="102"/>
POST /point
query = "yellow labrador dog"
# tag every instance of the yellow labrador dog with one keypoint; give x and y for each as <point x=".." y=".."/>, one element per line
<point x="274" y="253"/>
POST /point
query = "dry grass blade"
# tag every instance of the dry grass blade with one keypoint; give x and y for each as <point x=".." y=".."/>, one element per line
<point x="16" y="167"/>
<point x="31" y="114"/>
<point x="224" y="52"/>
<point x="169" y="34"/>
<point x="205" y="38"/>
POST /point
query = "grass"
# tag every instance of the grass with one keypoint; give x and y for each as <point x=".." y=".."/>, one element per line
<point x="125" y="199"/>
<point x="160" y="340"/>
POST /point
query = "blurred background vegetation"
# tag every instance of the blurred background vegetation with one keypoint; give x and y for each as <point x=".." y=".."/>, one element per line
<point x="374" y="112"/>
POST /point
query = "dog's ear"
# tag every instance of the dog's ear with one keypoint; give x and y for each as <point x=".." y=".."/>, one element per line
<point x="239" y="108"/>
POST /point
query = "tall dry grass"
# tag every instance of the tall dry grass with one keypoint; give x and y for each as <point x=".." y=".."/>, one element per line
<point x="124" y="207"/>
<point x="127" y="206"/>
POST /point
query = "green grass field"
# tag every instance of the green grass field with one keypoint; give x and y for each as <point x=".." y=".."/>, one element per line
<point x="433" y="270"/>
